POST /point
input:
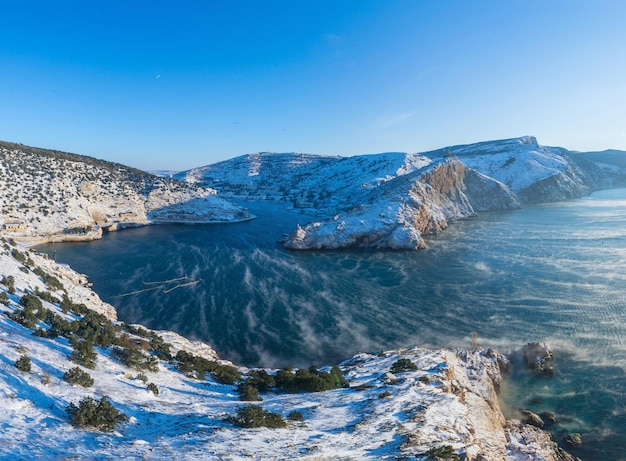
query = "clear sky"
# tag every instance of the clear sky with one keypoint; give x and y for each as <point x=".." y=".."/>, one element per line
<point x="175" y="85"/>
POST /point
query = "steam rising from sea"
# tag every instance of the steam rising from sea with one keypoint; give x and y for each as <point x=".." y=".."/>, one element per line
<point x="554" y="273"/>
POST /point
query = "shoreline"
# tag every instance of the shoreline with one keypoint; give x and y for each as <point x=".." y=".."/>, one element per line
<point x="31" y="241"/>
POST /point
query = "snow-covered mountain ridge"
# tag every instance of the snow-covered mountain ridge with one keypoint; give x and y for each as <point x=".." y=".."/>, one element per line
<point x="409" y="404"/>
<point x="385" y="200"/>
<point x="59" y="196"/>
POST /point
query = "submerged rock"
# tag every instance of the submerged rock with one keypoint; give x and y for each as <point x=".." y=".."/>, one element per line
<point x="539" y="357"/>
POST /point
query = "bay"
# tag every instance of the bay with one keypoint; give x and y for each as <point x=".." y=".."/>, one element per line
<point x="553" y="272"/>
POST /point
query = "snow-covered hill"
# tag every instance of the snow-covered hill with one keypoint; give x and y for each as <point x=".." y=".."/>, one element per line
<point x="409" y="404"/>
<point x="62" y="196"/>
<point x="384" y="200"/>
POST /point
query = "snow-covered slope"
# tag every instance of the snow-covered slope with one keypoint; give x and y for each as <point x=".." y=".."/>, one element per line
<point x="535" y="173"/>
<point x="382" y="200"/>
<point x="445" y="400"/>
<point x="64" y="196"/>
<point x="397" y="214"/>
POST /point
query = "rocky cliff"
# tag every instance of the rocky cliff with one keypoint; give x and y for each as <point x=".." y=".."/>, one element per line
<point x="398" y="213"/>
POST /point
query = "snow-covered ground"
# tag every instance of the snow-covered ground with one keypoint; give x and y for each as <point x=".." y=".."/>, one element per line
<point x="447" y="402"/>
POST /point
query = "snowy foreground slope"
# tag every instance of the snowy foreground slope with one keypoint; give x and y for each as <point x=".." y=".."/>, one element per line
<point x="444" y="403"/>
<point x="392" y="200"/>
<point x="49" y="195"/>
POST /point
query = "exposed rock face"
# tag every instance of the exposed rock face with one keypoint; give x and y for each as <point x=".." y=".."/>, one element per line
<point x="535" y="173"/>
<point x="406" y="208"/>
<point x="574" y="440"/>
<point x="539" y="357"/>
<point x="524" y="442"/>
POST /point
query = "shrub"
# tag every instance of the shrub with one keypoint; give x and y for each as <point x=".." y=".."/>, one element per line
<point x="24" y="317"/>
<point x="198" y="366"/>
<point x="248" y="393"/>
<point x="256" y="416"/>
<point x="23" y="363"/>
<point x="384" y="395"/>
<point x="260" y="379"/>
<point x="31" y="302"/>
<point x="402" y="365"/>
<point x="153" y="388"/>
<point x="77" y="376"/>
<point x="135" y="358"/>
<point x="295" y="415"/>
<point x="83" y="353"/>
<point x="94" y="414"/>
<point x="442" y="453"/>
<point x="307" y="381"/>
<point x="4" y="298"/>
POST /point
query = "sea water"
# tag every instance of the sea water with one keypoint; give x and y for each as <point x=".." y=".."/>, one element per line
<point x="553" y="273"/>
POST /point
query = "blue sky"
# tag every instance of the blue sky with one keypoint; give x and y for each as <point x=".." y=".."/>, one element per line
<point x="174" y="85"/>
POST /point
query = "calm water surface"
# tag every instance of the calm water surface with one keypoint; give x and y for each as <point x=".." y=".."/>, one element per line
<point x="554" y="273"/>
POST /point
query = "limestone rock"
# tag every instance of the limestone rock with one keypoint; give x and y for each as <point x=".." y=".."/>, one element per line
<point x="539" y="357"/>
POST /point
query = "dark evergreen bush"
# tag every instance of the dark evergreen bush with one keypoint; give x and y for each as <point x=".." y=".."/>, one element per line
<point x="295" y="416"/>
<point x="248" y="393"/>
<point x="77" y="376"/>
<point x="136" y="359"/>
<point x="260" y="379"/>
<point x="442" y="453"/>
<point x="402" y="365"/>
<point x="256" y="416"/>
<point x="153" y="388"/>
<point x="198" y="367"/>
<point x="83" y="353"/>
<point x="4" y="298"/>
<point x="94" y="414"/>
<point x="23" y="363"/>
<point x="306" y="381"/>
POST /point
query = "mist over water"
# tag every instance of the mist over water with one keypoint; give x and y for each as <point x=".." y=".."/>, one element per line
<point x="554" y="273"/>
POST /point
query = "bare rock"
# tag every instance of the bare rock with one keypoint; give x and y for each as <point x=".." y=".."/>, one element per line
<point x="532" y="418"/>
<point x="539" y="357"/>
<point x="574" y="440"/>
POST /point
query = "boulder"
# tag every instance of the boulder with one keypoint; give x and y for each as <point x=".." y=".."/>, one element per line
<point x="532" y="418"/>
<point x="574" y="439"/>
<point x="539" y="357"/>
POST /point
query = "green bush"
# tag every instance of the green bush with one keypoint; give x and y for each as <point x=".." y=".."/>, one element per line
<point x="402" y="365"/>
<point x="135" y="358"/>
<point x="83" y="353"/>
<point x="153" y="388"/>
<point x="94" y="414"/>
<point x="4" y="298"/>
<point x="198" y="367"/>
<point x="442" y="453"/>
<point x="310" y="381"/>
<point x="260" y="379"/>
<point x="23" y="363"/>
<point x="248" y="393"/>
<point x="9" y="282"/>
<point x="256" y="416"/>
<point x="24" y="317"/>
<point x="77" y="376"/>
<point x="295" y="415"/>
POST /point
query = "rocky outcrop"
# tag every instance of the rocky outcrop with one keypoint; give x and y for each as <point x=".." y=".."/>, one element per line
<point x="539" y="357"/>
<point x="399" y="213"/>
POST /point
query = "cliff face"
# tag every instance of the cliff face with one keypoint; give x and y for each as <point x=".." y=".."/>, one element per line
<point x="404" y="209"/>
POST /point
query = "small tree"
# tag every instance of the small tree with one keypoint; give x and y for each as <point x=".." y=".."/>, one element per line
<point x="402" y="365"/>
<point x="83" y="353"/>
<point x="256" y="416"/>
<point x="248" y="393"/>
<point x="23" y="363"/>
<point x="99" y="415"/>
<point x="153" y="388"/>
<point x="77" y="376"/>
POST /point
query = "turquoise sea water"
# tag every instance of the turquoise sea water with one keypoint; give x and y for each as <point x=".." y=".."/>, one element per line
<point x="554" y="273"/>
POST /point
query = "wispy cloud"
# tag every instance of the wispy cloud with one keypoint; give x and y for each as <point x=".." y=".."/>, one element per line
<point x="392" y="120"/>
